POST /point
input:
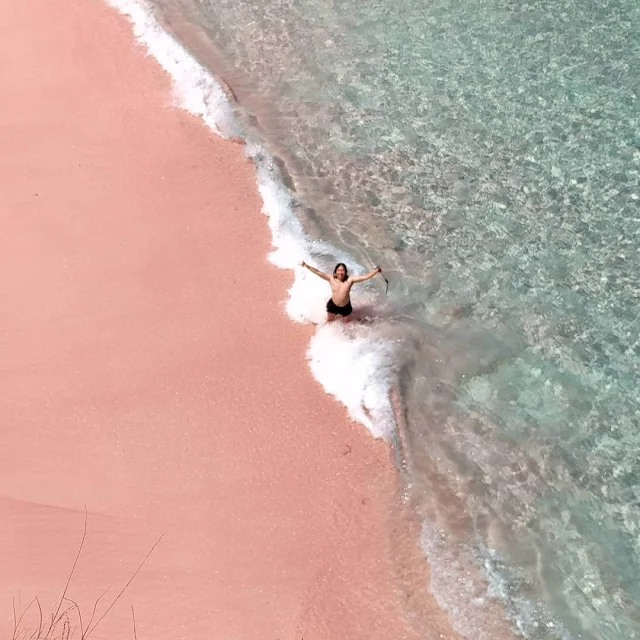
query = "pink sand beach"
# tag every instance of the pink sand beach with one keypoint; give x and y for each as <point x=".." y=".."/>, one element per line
<point x="148" y="373"/>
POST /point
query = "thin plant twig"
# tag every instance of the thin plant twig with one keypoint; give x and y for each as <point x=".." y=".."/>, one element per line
<point x="135" y="573"/>
<point x="35" y="635"/>
<point x="58" y="614"/>
<point x="62" y="596"/>
<point x="64" y="617"/>
<point x="79" y="615"/>
<point x="16" y="623"/>
<point x="40" y="621"/>
<point x="133" y="615"/>
<point x="95" y="605"/>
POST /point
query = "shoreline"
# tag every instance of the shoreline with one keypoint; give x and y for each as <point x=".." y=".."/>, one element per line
<point x="130" y="389"/>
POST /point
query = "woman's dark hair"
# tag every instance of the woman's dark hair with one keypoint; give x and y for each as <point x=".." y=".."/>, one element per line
<point x="341" y="264"/>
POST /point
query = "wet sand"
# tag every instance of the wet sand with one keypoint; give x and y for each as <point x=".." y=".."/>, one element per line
<point x="149" y="374"/>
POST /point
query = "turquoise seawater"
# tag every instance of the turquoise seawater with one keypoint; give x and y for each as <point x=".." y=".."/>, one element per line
<point x="488" y="153"/>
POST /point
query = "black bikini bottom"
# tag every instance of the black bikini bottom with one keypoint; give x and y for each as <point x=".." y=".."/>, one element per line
<point x="345" y="311"/>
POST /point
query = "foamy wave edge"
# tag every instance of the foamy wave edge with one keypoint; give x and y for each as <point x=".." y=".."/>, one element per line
<point x="352" y="363"/>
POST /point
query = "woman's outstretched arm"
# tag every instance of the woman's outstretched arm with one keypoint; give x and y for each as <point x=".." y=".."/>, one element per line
<point x="324" y="276"/>
<point x="366" y="276"/>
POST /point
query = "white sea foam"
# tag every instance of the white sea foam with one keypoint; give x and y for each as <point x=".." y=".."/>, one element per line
<point x="358" y="370"/>
<point x="352" y="362"/>
<point x="195" y="90"/>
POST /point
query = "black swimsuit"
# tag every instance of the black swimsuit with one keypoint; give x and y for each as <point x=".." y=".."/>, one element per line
<point x="345" y="311"/>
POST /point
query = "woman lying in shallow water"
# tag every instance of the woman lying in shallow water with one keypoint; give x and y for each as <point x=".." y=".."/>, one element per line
<point x="339" y="303"/>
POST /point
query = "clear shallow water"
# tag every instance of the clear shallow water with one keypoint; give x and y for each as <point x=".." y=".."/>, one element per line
<point x="489" y="152"/>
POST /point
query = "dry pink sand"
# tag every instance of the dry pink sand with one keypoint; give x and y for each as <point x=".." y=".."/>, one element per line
<point x="147" y="372"/>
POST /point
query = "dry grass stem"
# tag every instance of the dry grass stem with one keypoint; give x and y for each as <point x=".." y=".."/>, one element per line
<point x="60" y="625"/>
